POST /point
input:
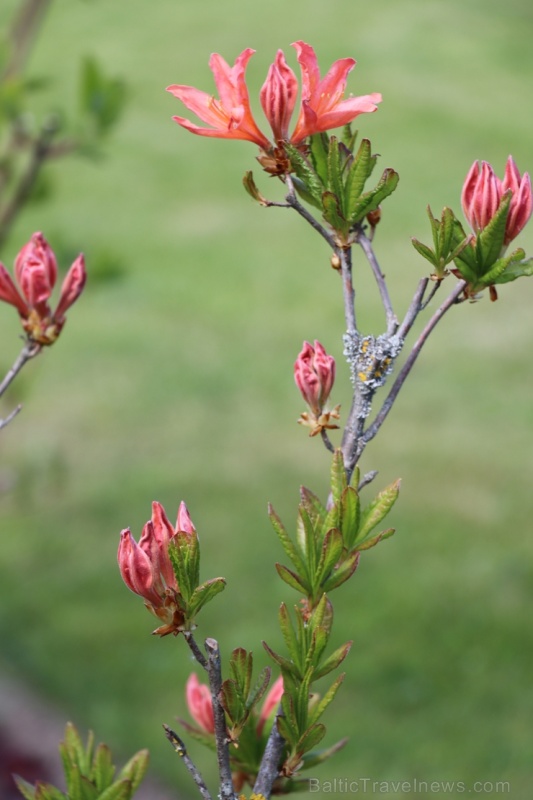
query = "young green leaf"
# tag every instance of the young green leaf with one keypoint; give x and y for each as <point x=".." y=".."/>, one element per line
<point x="378" y="509"/>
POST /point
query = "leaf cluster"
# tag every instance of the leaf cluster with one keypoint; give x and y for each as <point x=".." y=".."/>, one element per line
<point x="89" y="773"/>
<point x="331" y="177"/>
<point x="479" y="260"/>
<point x="184" y="554"/>
<point x="239" y="697"/>
<point x="329" y="539"/>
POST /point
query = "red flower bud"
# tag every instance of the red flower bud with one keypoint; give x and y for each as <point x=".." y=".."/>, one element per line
<point x="272" y="701"/>
<point x="483" y="192"/>
<point x="314" y="373"/>
<point x="200" y="704"/>
<point x="36" y="274"/>
<point x="147" y="570"/>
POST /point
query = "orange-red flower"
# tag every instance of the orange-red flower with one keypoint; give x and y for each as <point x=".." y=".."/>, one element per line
<point x="36" y="274"/>
<point x="323" y="106"/>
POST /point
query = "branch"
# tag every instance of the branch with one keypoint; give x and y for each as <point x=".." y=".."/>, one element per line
<point x="29" y="351"/>
<point x="12" y="415"/>
<point x="407" y="367"/>
<point x="227" y="791"/>
<point x="293" y="202"/>
<point x="269" y="769"/>
<point x="40" y="151"/>
<point x="22" y="34"/>
<point x="195" y="650"/>
<point x="179" y="747"/>
<point x="348" y="292"/>
<point x="392" y="320"/>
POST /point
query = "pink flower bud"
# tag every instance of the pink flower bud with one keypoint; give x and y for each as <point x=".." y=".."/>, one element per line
<point x="184" y="522"/>
<point x="271" y="703"/>
<point x="278" y="97"/>
<point x="72" y="287"/>
<point x="483" y="192"/>
<point x="36" y="274"/>
<point x="314" y="373"/>
<point x="200" y="704"/>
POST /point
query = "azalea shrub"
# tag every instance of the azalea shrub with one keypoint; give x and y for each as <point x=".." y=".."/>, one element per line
<point x="267" y="727"/>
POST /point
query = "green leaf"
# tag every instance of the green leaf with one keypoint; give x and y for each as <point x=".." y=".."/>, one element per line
<point x="313" y="759"/>
<point x="361" y="169"/>
<point x="103" y="771"/>
<point x="284" y="663"/>
<point x="313" y="735"/>
<point x="425" y="251"/>
<point x="232" y="700"/>
<point x="338" y="475"/>
<point x="319" y="642"/>
<point x="332" y="213"/>
<point x="241" y="667"/>
<point x="344" y="571"/>
<point x="204" y="593"/>
<point x="88" y="790"/>
<point x="121" y="790"/>
<point x="332" y="548"/>
<point x="349" y="138"/>
<point x="372" y="199"/>
<point x="102" y="99"/>
<point x="45" y="791"/>
<point x="259" y="688"/>
<point x="313" y="506"/>
<point x="310" y="544"/>
<point x="135" y="769"/>
<point x="292" y="579"/>
<point x="318" y="152"/>
<point x="333" y="661"/>
<point x="289" y="636"/>
<point x="318" y="709"/>
<point x="371" y="541"/>
<point x="516" y="269"/>
<point x="489" y="242"/>
<point x="335" y="173"/>
<point x="305" y="172"/>
<point x="378" y="509"/>
<point x="25" y="788"/>
<point x="287" y="544"/>
<point x="350" y="516"/>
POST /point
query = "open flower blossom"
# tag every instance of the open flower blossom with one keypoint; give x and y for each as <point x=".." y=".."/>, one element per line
<point x="36" y="274"/>
<point x="200" y="704"/>
<point x="314" y="373"/>
<point x="322" y="103"/>
<point x="146" y="568"/>
<point x="483" y="192"/>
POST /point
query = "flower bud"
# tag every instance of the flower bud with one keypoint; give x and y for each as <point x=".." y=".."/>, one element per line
<point x="271" y="703"/>
<point x="200" y="704"/>
<point x="36" y="274"/>
<point x="314" y="373"/>
<point x="483" y="192"/>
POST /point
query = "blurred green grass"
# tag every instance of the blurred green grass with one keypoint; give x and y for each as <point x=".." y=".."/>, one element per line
<point x="173" y="379"/>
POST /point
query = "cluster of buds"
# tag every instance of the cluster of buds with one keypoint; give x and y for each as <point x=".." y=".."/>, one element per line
<point x="147" y="570"/>
<point x="164" y="569"/>
<point x="322" y="105"/>
<point x="314" y="373"/>
<point x="483" y="193"/>
<point x="36" y="274"/>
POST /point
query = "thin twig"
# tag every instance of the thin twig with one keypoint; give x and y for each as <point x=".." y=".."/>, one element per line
<point x="366" y="479"/>
<point x="269" y="768"/>
<point x="22" y="34"/>
<point x="39" y="153"/>
<point x="326" y="440"/>
<point x="29" y="351"/>
<point x="195" y="650"/>
<point x="407" y="367"/>
<point x="180" y="749"/>
<point x="227" y="791"/>
<point x="435" y="288"/>
<point x="392" y="319"/>
<point x="293" y="201"/>
<point x="348" y="292"/>
<point x="414" y="309"/>
<point x="12" y="415"/>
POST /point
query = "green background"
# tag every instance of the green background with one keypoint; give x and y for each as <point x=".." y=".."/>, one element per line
<point x="173" y="380"/>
